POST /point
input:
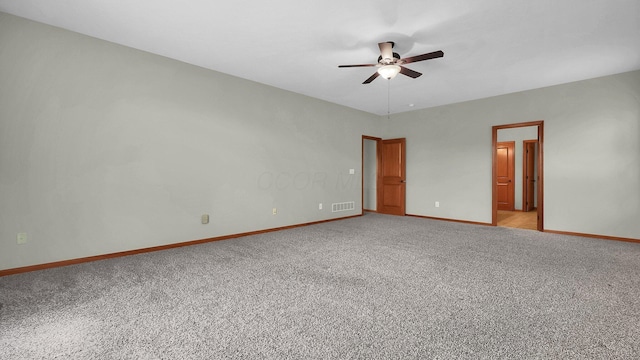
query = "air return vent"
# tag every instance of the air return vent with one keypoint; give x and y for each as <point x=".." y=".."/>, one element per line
<point x="343" y="206"/>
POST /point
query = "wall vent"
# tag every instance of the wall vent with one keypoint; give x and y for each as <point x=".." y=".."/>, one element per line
<point x="343" y="206"/>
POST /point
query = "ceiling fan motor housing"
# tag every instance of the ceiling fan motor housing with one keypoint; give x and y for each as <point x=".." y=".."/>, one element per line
<point x="396" y="57"/>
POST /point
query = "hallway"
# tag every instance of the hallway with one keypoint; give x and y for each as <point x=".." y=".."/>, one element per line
<point x="518" y="219"/>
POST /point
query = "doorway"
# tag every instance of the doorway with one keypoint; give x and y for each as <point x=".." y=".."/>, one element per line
<point x="528" y="180"/>
<point x="370" y="173"/>
<point x="387" y="195"/>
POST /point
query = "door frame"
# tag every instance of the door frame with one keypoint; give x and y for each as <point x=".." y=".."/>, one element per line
<point x="379" y="175"/>
<point x="378" y="159"/>
<point x="540" y="182"/>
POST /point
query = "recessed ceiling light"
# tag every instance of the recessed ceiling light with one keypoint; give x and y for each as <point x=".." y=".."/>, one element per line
<point x="411" y="105"/>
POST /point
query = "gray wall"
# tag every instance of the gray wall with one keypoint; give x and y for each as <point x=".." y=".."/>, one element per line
<point x="591" y="154"/>
<point x="104" y="149"/>
<point x="518" y="135"/>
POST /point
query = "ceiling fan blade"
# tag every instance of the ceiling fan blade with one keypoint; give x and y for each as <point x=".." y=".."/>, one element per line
<point x="359" y="65"/>
<point x="371" y="78"/>
<point x="386" y="50"/>
<point x="410" y="73"/>
<point x="431" y="55"/>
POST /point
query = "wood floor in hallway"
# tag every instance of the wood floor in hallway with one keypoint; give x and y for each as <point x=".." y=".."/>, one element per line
<point x="518" y="219"/>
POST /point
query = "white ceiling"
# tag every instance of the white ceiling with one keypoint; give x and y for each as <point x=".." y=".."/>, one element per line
<point x="491" y="47"/>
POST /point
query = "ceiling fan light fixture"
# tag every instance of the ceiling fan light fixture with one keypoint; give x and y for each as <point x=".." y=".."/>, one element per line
<point x="389" y="71"/>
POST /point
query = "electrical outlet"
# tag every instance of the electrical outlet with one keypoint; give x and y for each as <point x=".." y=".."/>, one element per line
<point x="275" y="211"/>
<point x="437" y="203"/>
<point x="205" y="218"/>
<point x="320" y="206"/>
<point x="21" y="238"/>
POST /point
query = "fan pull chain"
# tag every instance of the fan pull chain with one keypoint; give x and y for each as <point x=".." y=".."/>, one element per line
<point x="388" y="99"/>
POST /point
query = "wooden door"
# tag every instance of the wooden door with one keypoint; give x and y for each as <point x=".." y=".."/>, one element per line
<point x="505" y="174"/>
<point x="392" y="190"/>
<point x="528" y="178"/>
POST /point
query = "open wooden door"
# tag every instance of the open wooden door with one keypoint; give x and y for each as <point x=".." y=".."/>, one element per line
<point x="505" y="175"/>
<point x="392" y="174"/>
<point x="529" y="178"/>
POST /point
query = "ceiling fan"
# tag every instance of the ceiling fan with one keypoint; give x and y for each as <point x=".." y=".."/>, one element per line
<point x="390" y="64"/>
